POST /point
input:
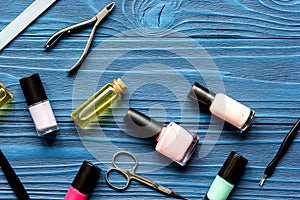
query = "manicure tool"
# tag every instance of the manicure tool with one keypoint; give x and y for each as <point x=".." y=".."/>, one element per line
<point x="131" y="175"/>
<point x="96" y="20"/>
<point x="12" y="178"/>
<point x="286" y="143"/>
<point x="23" y="20"/>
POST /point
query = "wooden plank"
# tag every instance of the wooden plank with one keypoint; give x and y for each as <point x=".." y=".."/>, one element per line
<point x="220" y="19"/>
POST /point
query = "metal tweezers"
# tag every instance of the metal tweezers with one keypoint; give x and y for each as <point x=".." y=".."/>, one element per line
<point x="96" y="19"/>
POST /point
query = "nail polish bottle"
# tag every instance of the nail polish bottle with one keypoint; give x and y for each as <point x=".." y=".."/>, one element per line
<point x="38" y="104"/>
<point x="223" y="107"/>
<point x="228" y="176"/>
<point x="173" y="141"/>
<point x="5" y="95"/>
<point x="98" y="103"/>
<point x="84" y="182"/>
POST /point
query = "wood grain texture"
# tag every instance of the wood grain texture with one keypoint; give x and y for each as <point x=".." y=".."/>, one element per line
<point x="254" y="44"/>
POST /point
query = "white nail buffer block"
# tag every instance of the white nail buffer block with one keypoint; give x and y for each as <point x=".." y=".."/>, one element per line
<point x="23" y="20"/>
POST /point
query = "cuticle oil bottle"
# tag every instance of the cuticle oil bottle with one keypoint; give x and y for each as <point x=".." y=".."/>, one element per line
<point x="98" y="103"/>
<point x="5" y="95"/>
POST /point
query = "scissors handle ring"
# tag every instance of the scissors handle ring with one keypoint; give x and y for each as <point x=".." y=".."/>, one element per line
<point x="127" y="154"/>
<point x="112" y="185"/>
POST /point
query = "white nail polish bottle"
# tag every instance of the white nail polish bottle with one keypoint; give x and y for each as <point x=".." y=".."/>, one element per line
<point x="223" y="107"/>
<point x="38" y="104"/>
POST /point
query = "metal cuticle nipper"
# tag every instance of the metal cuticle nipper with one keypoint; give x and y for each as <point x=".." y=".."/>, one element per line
<point x="96" y="20"/>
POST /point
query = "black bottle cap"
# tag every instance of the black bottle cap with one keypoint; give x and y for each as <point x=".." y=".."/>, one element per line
<point x="143" y="125"/>
<point x="201" y="94"/>
<point x="233" y="168"/>
<point x="86" y="178"/>
<point x="33" y="89"/>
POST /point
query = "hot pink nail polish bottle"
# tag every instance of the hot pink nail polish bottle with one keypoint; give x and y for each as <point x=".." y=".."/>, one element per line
<point x="84" y="182"/>
<point x="223" y="107"/>
<point x="173" y="141"/>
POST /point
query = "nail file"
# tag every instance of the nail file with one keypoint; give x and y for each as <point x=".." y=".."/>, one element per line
<point x="23" y="20"/>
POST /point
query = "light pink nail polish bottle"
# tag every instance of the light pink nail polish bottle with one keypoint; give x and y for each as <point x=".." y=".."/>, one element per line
<point x="38" y="104"/>
<point x="172" y="141"/>
<point x="223" y="107"/>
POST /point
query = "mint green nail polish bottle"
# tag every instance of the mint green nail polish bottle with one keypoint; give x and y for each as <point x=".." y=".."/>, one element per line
<point x="228" y="176"/>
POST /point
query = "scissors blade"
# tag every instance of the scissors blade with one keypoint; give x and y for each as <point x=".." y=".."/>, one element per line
<point x="169" y="191"/>
<point x="174" y="194"/>
<point x="154" y="185"/>
<point x="105" y="11"/>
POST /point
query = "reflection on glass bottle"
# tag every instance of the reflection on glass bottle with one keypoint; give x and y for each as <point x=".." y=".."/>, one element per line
<point x="5" y="95"/>
<point x="98" y="103"/>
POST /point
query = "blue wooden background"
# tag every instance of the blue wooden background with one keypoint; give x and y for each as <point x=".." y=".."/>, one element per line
<point x="254" y="44"/>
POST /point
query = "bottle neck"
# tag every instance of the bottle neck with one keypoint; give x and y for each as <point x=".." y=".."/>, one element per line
<point x="119" y="86"/>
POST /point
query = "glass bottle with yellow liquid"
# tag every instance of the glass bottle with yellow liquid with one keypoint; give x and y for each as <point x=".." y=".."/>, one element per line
<point x="5" y="95"/>
<point x="98" y="103"/>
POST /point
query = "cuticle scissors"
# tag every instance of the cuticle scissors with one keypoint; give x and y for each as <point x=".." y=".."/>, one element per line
<point x="96" y="19"/>
<point x="131" y="175"/>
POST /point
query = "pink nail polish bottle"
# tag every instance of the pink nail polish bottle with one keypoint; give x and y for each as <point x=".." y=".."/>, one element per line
<point x="38" y="104"/>
<point x="172" y="141"/>
<point x="84" y="182"/>
<point x="223" y="107"/>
